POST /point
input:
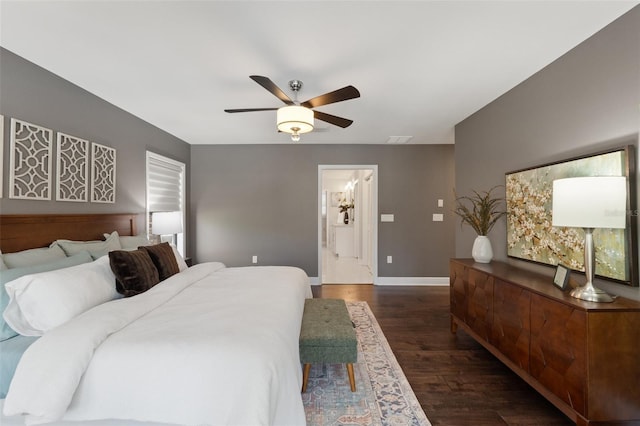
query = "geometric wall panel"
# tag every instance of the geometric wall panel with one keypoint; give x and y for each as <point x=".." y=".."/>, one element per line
<point x="30" y="158"/>
<point x="1" y="152"/>
<point x="73" y="168"/>
<point x="103" y="174"/>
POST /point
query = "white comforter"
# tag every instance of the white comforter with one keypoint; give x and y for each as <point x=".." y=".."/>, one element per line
<point x="211" y="345"/>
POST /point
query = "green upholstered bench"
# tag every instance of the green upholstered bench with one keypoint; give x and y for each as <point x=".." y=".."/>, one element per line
<point x="327" y="336"/>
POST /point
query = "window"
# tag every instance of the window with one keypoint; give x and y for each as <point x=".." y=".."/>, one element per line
<point x="165" y="190"/>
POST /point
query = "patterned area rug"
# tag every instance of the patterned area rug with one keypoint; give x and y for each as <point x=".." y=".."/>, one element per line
<point x="383" y="395"/>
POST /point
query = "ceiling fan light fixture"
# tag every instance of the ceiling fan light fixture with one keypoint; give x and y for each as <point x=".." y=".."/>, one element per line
<point x="295" y="119"/>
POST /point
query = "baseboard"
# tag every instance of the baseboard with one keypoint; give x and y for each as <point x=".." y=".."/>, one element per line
<point x="398" y="281"/>
<point x="416" y="281"/>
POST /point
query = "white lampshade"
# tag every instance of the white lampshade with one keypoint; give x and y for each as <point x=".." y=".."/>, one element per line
<point x="590" y="202"/>
<point x="166" y="223"/>
<point x="295" y="119"/>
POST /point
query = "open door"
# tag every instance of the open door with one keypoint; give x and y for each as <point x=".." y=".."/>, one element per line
<point x="347" y="225"/>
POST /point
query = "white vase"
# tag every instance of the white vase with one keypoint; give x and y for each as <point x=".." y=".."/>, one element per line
<point x="482" y="251"/>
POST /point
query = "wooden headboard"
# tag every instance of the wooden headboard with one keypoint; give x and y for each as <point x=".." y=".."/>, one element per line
<point x="21" y="232"/>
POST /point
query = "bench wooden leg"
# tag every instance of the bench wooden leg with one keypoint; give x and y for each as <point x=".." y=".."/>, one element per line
<point x="305" y="376"/>
<point x="352" y="377"/>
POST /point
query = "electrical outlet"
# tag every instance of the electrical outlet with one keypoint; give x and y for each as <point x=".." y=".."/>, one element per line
<point x="254" y="259"/>
<point x="389" y="259"/>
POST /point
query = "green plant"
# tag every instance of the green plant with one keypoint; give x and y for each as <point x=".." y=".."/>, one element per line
<point x="483" y="212"/>
<point x="344" y="206"/>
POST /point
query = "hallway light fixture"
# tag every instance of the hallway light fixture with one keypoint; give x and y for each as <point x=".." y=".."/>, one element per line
<point x="351" y="184"/>
<point x="295" y="119"/>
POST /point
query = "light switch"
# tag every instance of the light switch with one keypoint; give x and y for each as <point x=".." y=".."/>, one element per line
<point x="386" y="218"/>
<point x="440" y="203"/>
<point x="438" y="217"/>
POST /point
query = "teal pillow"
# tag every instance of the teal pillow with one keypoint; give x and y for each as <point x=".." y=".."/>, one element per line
<point x="7" y="275"/>
<point x="95" y="248"/>
<point x="32" y="257"/>
<point x="130" y="242"/>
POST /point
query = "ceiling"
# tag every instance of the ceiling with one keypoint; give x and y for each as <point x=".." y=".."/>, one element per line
<point x="421" y="66"/>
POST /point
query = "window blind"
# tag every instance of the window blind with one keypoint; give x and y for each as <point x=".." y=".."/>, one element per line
<point x="164" y="184"/>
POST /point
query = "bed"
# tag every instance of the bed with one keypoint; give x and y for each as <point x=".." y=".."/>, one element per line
<point x="208" y="345"/>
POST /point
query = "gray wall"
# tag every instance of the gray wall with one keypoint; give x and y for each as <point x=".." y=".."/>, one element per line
<point x="31" y="93"/>
<point x="262" y="200"/>
<point x="584" y="102"/>
<point x="246" y="200"/>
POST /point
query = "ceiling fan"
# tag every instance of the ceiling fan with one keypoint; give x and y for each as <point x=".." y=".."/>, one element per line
<point x="297" y="118"/>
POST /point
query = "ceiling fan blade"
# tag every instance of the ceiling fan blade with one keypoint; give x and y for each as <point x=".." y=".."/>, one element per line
<point x="250" y="109"/>
<point x="271" y="87"/>
<point x="332" y="119"/>
<point x="344" y="94"/>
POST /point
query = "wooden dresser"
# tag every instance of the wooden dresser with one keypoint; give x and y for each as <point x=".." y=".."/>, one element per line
<point x="584" y="357"/>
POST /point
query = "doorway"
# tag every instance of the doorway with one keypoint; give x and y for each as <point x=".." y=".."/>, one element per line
<point x="347" y="225"/>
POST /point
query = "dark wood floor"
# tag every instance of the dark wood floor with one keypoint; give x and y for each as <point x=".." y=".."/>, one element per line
<point x="456" y="380"/>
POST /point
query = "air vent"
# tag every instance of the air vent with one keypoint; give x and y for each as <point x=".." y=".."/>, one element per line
<point x="399" y="139"/>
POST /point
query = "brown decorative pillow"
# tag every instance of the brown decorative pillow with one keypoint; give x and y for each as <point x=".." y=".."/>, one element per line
<point x="134" y="270"/>
<point x="164" y="259"/>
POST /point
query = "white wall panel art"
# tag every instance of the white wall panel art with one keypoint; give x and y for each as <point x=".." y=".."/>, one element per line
<point x="72" y="164"/>
<point x="1" y="153"/>
<point x="103" y="174"/>
<point x="30" y="161"/>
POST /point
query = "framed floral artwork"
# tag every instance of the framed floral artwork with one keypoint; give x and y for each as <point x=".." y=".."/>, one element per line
<point x="531" y="237"/>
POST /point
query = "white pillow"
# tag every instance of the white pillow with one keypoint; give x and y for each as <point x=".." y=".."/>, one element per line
<point x="31" y="257"/>
<point x="130" y="242"/>
<point x="182" y="265"/>
<point x="8" y="275"/>
<point x="95" y="248"/>
<point x="40" y="302"/>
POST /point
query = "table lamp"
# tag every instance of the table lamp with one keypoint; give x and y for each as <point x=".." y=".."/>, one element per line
<point x="589" y="203"/>
<point x="166" y="223"/>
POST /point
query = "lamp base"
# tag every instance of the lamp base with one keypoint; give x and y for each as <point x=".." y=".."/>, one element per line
<point x="591" y="294"/>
